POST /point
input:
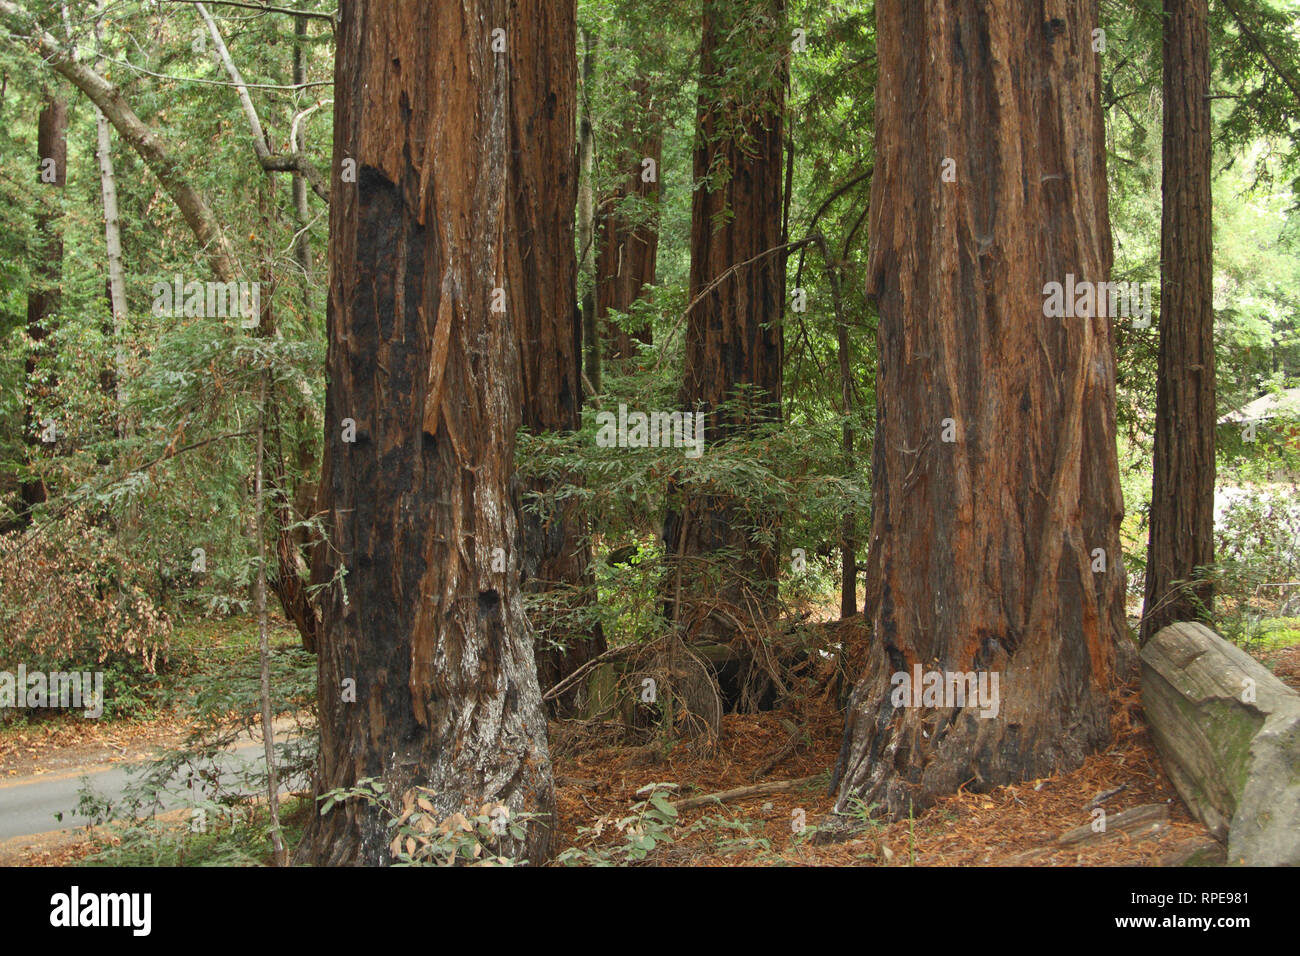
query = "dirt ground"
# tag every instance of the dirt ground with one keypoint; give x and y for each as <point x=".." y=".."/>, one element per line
<point x="597" y="783"/>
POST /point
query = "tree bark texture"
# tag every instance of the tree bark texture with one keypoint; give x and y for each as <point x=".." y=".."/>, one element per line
<point x="996" y="501"/>
<point x="1182" y="495"/>
<point x="629" y="245"/>
<point x="419" y="506"/>
<point x="541" y="291"/>
<point x="733" y="334"/>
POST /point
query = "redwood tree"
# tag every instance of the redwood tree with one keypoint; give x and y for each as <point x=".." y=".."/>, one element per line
<point x="1182" y="494"/>
<point x="45" y="295"/>
<point x="541" y="267"/>
<point x="996" y="500"/>
<point x="737" y="284"/>
<point x="629" y="243"/>
<point x="420" y="623"/>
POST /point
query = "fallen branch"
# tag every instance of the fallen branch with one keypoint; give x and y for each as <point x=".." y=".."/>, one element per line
<point x="584" y="782"/>
<point x="612" y="654"/>
<point x="741" y="793"/>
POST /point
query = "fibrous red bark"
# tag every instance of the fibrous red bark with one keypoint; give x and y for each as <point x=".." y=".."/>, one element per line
<point x="737" y="284"/>
<point x="1182" y="494"/>
<point x="542" y="271"/>
<point x="996" y="503"/>
<point x="427" y="618"/>
<point x="629" y="245"/>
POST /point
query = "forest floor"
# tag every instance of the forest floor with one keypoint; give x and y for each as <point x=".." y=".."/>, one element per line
<point x="598" y="783"/>
<point x="1005" y="826"/>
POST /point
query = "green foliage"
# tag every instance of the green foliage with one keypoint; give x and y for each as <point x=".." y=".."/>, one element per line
<point x="651" y="825"/>
<point x="215" y="835"/>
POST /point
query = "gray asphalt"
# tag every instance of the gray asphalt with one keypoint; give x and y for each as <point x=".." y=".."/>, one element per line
<point x="29" y="806"/>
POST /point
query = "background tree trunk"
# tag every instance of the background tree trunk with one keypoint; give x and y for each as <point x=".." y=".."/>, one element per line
<point x="986" y="551"/>
<point x="1182" y="495"/>
<point x="541" y="268"/>
<point x="45" y="296"/>
<point x="733" y="333"/>
<point x="301" y="210"/>
<point x="419" y="505"/>
<point x="629" y="246"/>
<point x="591" y="337"/>
<point x="114" y="377"/>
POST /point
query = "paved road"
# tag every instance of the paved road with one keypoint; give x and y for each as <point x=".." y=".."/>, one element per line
<point x="29" y="805"/>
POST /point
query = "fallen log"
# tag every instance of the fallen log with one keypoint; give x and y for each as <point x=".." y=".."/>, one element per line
<point x="1228" y="734"/>
<point x="1146" y="822"/>
<point x="1202" y="852"/>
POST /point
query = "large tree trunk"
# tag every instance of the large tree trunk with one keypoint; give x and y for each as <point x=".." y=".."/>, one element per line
<point x="733" y="334"/>
<point x="541" y="269"/>
<point x="45" y="296"/>
<point x="629" y="245"/>
<point x="1182" y="494"/>
<point x="419" y="507"/>
<point x="996" y="502"/>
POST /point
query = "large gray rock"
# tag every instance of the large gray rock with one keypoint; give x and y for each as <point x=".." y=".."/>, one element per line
<point x="1228" y="733"/>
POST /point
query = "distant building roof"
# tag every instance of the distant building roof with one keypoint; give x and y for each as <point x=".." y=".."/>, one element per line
<point x="1283" y="404"/>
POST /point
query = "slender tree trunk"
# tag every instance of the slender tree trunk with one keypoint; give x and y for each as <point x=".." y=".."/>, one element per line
<point x="263" y="631"/>
<point x="1182" y="494"/>
<point x="629" y="245"/>
<point x="299" y="500"/>
<point x="427" y="676"/>
<point x="44" y="297"/>
<point x="292" y="570"/>
<point x="541" y="270"/>
<point x="849" y="520"/>
<point x="301" y="209"/>
<point x="996" y="499"/>
<point x="587" y="217"/>
<point x="112" y="244"/>
<point x="733" y="335"/>
<point x="290" y="581"/>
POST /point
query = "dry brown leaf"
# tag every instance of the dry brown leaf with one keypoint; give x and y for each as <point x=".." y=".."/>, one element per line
<point x="457" y="821"/>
